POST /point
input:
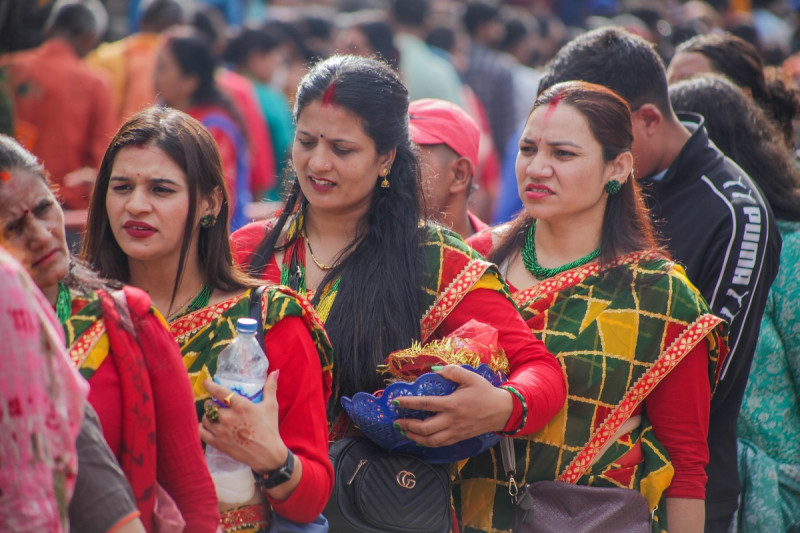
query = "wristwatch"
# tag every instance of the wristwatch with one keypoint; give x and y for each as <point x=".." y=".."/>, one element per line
<point x="273" y="478"/>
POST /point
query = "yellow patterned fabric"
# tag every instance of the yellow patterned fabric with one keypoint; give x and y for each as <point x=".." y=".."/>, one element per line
<point x="203" y="334"/>
<point x="616" y="332"/>
<point x="86" y="335"/>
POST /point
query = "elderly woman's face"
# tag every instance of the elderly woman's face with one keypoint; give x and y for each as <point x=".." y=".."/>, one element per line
<point x="33" y="227"/>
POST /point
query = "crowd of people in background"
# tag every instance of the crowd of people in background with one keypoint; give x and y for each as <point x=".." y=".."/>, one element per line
<point x="551" y="168"/>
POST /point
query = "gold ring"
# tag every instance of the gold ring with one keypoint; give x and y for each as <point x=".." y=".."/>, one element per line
<point x="212" y="413"/>
<point x="227" y="399"/>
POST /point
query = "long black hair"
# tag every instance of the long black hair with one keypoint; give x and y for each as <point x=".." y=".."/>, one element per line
<point x="376" y="309"/>
<point x="743" y="132"/>
<point x="190" y="146"/>
<point x="626" y="223"/>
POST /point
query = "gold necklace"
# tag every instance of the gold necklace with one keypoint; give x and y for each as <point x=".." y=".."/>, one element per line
<point x="321" y="266"/>
<point x="181" y="307"/>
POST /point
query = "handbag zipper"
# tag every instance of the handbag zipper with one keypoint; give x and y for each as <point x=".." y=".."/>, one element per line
<point x="361" y="463"/>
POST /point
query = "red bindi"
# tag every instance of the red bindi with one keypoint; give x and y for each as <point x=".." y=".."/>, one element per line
<point x="5" y="175"/>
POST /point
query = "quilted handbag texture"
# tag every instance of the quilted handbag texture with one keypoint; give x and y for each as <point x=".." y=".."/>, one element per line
<point x="377" y="491"/>
<point x="557" y="507"/>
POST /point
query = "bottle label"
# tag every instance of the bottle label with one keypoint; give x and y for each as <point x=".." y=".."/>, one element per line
<point x="253" y="392"/>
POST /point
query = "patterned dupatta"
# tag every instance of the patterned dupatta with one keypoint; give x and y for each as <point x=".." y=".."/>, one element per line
<point x="86" y="334"/>
<point x="203" y="334"/>
<point x="42" y="400"/>
<point x="451" y="270"/>
<point x="635" y="320"/>
<point x="616" y="331"/>
<point x="96" y="331"/>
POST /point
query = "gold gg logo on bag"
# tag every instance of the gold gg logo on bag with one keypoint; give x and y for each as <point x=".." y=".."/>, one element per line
<point x="406" y="479"/>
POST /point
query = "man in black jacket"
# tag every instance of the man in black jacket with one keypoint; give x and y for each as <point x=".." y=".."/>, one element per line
<point x="713" y="218"/>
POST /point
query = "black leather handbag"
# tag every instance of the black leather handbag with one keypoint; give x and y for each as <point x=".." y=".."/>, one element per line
<point x="377" y="491"/>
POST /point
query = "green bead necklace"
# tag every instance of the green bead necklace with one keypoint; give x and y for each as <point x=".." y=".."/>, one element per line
<point x="63" y="303"/>
<point x="538" y="271"/>
<point x="200" y="301"/>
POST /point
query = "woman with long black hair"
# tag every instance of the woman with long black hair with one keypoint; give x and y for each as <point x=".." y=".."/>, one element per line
<point x="352" y="237"/>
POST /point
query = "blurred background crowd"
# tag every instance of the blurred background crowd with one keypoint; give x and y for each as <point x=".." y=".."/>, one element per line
<point x="66" y="85"/>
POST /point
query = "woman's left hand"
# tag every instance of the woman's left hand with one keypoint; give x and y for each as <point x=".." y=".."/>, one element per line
<point x="245" y="431"/>
<point x="474" y="408"/>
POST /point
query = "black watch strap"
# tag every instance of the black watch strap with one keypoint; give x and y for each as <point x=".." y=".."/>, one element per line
<point x="273" y="478"/>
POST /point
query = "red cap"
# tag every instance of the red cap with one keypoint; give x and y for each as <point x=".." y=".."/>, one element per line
<point x="433" y="121"/>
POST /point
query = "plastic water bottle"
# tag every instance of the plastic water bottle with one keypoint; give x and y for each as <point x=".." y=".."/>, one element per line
<point x="241" y="367"/>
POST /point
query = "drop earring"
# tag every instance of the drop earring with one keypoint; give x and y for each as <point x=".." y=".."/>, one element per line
<point x="385" y="182"/>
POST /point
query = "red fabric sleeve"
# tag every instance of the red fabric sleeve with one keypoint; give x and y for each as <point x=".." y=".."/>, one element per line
<point x="302" y="417"/>
<point x="181" y="467"/>
<point x="535" y="373"/>
<point x="678" y="409"/>
<point x="481" y="242"/>
<point x="245" y="240"/>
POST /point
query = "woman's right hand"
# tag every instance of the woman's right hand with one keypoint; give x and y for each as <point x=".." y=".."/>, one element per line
<point x="248" y="432"/>
<point x="245" y="431"/>
<point x="474" y="408"/>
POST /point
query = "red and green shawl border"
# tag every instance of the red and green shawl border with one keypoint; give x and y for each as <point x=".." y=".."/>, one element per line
<point x="666" y="362"/>
<point x="679" y="349"/>
<point x="452" y="296"/>
<point x="457" y="268"/>
<point x="193" y="322"/>
<point x="574" y="276"/>
<point x="83" y="330"/>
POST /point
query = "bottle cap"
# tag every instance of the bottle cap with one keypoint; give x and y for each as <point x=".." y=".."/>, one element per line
<point x="246" y="325"/>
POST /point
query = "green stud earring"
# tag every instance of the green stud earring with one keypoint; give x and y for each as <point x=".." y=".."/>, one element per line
<point x="208" y="221"/>
<point x="612" y="187"/>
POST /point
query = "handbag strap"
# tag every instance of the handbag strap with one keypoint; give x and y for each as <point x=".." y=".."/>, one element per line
<point x="509" y="465"/>
<point x="256" y="295"/>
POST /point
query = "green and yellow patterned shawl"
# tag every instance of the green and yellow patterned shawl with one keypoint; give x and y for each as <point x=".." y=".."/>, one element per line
<point x="452" y="269"/>
<point x="86" y="335"/>
<point x="608" y="328"/>
<point x="203" y="334"/>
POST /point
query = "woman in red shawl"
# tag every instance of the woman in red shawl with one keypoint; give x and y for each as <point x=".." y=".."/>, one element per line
<point x="120" y="344"/>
